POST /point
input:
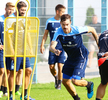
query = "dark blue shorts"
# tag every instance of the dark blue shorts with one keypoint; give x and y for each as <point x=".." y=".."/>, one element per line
<point x="19" y="64"/>
<point x="1" y="60"/>
<point x="74" y="70"/>
<point x="56" y="59"/>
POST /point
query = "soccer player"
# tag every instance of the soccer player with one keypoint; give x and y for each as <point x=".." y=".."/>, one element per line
<point x="22" y="7"/>
<point x="103" y="69"/>
<point x="74" y="67"/>
<point x="52" y="25"/>
<point x="9" y="9"/>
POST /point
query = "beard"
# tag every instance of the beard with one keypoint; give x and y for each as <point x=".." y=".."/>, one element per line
<point x="21" y="14"/>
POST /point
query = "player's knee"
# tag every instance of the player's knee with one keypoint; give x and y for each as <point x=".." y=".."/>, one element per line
<point x="74" y="81"/>
<point x="51" y="67"/>
<point x="20" y="71"/>
<point x="66" y="82"/>
<point x="2" y="71"/>
<point x="28" y="71"/>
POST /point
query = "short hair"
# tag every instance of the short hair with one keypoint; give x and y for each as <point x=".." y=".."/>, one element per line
<point x="21" y="4"/>
<point x="64" y="17"/>
<point x="59" y="6"/>
<point x="9" y="4"/>
<point x="94" y="15"/>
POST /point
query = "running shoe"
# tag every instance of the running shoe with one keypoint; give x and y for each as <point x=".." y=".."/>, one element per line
<point x="17" y="93"/>
<point x="90" y="90"/>
<point x="25" y="98"/>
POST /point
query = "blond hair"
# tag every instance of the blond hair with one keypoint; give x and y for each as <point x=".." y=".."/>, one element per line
<point x="9" y="4"/>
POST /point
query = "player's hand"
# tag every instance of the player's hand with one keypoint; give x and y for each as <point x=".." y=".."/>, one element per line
<point x="57" y="52"/>
<point x="1" y="47"/>
<point x="105" y="55"/>
<point x="42" y="49"/>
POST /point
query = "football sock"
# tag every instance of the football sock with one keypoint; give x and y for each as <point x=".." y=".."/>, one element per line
<point x="55" y="77"/>
<point x="98" y="99"/>
<point x="17" y="88"/>
<point x="10" y="93"/>
<point x="59" y="81"/>
<point x="76" y="97"/>
<point x="2" y="88"/>
<point x="25" y="92"/>
<point x="5" y="90"/>
<point x="88" y="85"/>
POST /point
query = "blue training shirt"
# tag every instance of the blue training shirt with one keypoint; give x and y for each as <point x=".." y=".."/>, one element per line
<point x="2" y="18"/>
<point x="103" y="44"/>
<point x="72" y="42"/>
<point x="52" y="25"/>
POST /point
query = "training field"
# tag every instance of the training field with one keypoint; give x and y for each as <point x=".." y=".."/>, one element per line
<point x="47" y="92"/>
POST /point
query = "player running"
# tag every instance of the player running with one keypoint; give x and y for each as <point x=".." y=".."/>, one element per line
<point x="52" y="25"/>
<point x="74" y="67"/>
<point x="103" y="68"/>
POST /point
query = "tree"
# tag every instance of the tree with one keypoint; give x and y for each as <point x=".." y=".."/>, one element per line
<point x="89" y="14"/>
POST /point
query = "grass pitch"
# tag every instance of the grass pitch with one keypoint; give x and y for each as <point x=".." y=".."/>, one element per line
<point x="48" y="92"/>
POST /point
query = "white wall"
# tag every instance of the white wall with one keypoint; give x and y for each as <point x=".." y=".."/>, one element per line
<point x="51" y="5"/>
<point x="3" y="3"/>
<point x="81" y="7"/>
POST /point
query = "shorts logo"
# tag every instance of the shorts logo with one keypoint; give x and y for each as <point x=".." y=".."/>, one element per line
<point x="78" y="73"/>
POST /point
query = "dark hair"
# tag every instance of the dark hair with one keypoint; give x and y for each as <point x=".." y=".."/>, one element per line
<point x="21" y="4"/>
<point x="64" y="17"/>
<point x="59" y="6"/>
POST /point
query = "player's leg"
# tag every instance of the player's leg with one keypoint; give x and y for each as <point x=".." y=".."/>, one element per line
<point x="28" y="71"/>
<point x="18" y="82"/>
<point x="4" y="84"/>
<point x="1" y="72"/>
<point x="103" y="70"/>
<point x="9" y="65"/>
<point x="78" y="73"/>
<point x="100" y="91"/>
<point x="69" y="86"/>
<point x="54" y="73"/>
<point x="11" y="81"/>
<point x="60" y="61"/>
<point x="51" y="62"/>
<point x="91" y="52"/>
<point x="1" y="76"/>
<point x="60" y="66"/>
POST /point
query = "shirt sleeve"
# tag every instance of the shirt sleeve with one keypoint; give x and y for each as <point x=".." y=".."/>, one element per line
<point x="82" y="30"/>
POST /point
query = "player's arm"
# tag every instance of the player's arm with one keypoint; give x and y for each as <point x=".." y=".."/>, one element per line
<point x="43" y="41"/>
<point x="52" y="48"/>
<point x="93" y="31"/>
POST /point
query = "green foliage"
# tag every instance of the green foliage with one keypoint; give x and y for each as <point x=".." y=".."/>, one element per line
<point x="89" y="14"/>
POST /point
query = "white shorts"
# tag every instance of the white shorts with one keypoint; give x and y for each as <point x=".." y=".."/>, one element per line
<point x="92" y="46"/>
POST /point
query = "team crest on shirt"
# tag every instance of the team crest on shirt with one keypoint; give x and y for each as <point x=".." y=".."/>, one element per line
<point x="63" y="38"/>
<point x="74" y="37"/>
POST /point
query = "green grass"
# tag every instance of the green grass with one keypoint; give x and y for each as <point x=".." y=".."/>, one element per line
<point x="47" y="92"/>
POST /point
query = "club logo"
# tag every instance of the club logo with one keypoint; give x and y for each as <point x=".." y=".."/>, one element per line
<point x="74" y="37"/>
